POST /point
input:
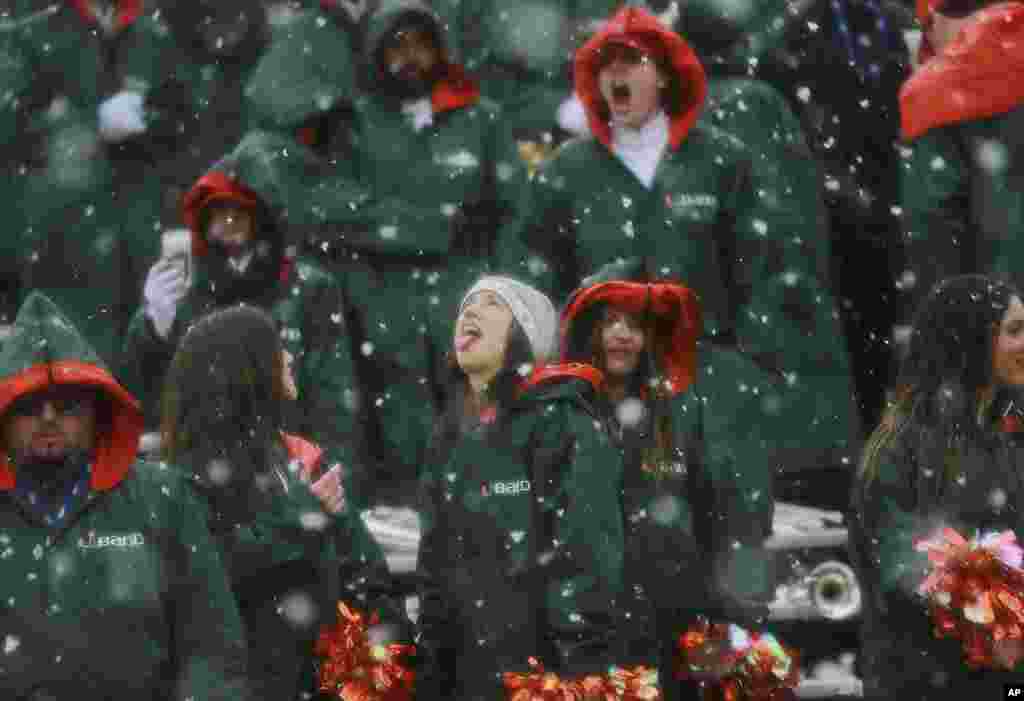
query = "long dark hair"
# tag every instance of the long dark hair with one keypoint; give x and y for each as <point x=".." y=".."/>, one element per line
<point x="646" y="381"/>
<point x="223" y="400"/>
<point x="943" y="381"/>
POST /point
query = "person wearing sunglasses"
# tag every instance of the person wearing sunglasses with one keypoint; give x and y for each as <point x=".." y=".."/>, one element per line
<point x="97" y="545"/>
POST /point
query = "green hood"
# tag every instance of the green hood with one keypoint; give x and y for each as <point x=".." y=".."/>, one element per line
<point x="738" y="31"/>
<point x="307" y="71"/>
<point x="279" y="174"/>
<point x="45" y="349"/>
<point x="387" y="16"/>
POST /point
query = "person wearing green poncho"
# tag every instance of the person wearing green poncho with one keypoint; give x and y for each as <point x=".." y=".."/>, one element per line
<point x="654" y="181"/>
<point x="438" y="181"/>
<point x="240" y="217"/>
<point x="698" y="486"/>
<point x="113" y="587"/>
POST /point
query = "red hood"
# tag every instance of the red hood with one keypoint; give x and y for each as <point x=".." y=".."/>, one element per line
<point x="116" y="450"/>
<point x="638" y="23"/>
<point x="127" y="12"/>
<point x="564" y="371"/>
<point x="976" y="76"/>
<point x="212" y="187"/>
<point x="306" y="452"/>
<point x="677" y="323"/>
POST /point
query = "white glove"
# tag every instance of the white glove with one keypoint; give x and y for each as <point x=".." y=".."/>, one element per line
<point x="165" y="287"/>
<point x="121" y="116"/>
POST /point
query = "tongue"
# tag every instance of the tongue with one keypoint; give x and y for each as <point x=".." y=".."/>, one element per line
<point x="463" y="342"/>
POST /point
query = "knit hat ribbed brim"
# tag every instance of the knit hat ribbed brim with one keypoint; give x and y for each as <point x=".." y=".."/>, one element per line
<point x="531" y="308"/>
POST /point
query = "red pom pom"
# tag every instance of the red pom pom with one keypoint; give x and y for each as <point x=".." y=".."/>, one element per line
<point x="352" y="669"/>
<point x="732" y="664"/>
<point x="619" y="684"/>
<point x="975" y="593"/>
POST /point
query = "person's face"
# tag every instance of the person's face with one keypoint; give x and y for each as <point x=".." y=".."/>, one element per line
<point x="291" y="390"/>
<point x="630" y="82"/>
<point x="233" y="228"/>
<point x="411" y="55"/>
<point x="622" y="342"/>
<point x="51" y="424"/>
<point x="481" y="334"/>
<point x="1008" y="347"/>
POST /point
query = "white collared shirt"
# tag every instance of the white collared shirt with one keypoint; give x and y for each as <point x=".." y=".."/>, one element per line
<point x="641" y="149"/>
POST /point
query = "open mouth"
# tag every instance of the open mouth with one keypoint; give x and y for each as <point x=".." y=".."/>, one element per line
<point x="47" y="445"/>
<point x="621" y="355"/>
<point x="467" y="336"/>
<point x="621" y="93"/>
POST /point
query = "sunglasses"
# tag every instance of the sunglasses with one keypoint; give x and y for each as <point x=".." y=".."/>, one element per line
<point x="65" y="402"/>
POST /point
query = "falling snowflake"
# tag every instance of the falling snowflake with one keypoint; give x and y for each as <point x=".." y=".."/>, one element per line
<point x="630" y="412"/>
<point x="219" y="472"/>
<point x="298" y="609"/>
<point x="992" y="156"/>
<point x="314" y="520"/>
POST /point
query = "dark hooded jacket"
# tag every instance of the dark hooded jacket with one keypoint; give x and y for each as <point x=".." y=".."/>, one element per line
<point x="712" y="217"/>
<point x="420" y="230"/>
<point x="290" y="564"/>
<point x="522" y="542"/>
<point x="962" y="195"/>
<point x="683" y="521"/>
<point x="128" y="596"/>
<point x="304" y="299"/>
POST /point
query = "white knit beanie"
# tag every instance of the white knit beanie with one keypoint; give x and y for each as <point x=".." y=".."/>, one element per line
<point x="531" y="308"/>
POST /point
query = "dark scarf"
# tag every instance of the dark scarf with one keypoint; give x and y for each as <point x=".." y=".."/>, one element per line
<point x="52" y="490"/>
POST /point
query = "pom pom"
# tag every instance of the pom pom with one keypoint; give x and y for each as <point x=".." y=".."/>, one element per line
<point x="618" y="684"/>
<point x="354" y="668"/>
<point x="975" y="593"/>
<point x="733" y="664"/>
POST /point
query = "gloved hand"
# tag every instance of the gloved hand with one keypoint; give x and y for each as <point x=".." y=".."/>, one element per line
<point x="165" y="287"/>
<point x="330" y="491"/>
<point x="121" y="116"/>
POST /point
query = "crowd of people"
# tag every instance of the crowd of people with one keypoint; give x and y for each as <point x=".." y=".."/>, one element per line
<point x="576" y="280"/>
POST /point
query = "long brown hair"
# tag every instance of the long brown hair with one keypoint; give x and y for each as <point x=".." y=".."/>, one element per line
<point x="658" y="456"/>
